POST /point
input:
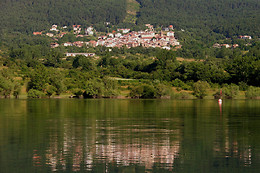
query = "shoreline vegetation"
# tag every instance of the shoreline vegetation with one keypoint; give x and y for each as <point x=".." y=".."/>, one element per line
<point x="145" y="91"/>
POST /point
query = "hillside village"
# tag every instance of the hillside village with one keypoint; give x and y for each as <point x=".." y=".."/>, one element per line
<point x="122" y="37"/>
<point x="164" y="39"/>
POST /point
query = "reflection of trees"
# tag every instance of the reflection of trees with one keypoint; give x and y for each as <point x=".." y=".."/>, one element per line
<point x="12" y="118"/>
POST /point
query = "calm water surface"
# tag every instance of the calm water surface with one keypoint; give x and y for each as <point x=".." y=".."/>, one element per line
<point x="129" y="136"/>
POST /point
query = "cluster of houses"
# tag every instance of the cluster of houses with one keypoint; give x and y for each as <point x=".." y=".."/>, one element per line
<point x="245" y="37"/>
<point x="54" y="29"/>
<point x="121" y="38"/>
<point x="131" y="39"/>
<point x="217" y="45"/>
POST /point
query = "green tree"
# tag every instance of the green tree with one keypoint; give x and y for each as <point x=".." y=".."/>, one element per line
<point x="17" y="90"/>
<point x="200" y="89"/>
<point x="230" y="91"/>
<point x="6" y="86"/>
<point x="93" y="89"/>
<point x="39" y="79"/>
<point x="50" y="90"/>
<point x="57" y="80"/>
<point x="110" y="87"/>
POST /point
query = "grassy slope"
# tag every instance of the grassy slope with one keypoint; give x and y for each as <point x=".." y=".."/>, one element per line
<point x="132" y="8"/>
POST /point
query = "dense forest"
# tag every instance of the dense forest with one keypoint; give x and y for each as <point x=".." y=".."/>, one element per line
<point x="33" y="15"/>
<point x="228" y="17"/>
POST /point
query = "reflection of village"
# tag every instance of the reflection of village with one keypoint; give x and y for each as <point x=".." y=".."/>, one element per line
<point x="124" y="146"/>
<point x="116" y="147"/>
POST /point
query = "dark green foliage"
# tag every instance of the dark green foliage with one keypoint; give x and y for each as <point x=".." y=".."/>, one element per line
<point x="143" y="91"/>
<point x="83" y="62"/>
<point x="246" y="69"/>
<point x="36" y="15"/>
<point x="217" y="16"/>
<point x="53" y="59"/>
<point x="148" y="92"/>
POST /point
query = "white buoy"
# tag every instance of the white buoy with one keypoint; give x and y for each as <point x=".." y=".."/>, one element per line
<point x="220" y="100"/>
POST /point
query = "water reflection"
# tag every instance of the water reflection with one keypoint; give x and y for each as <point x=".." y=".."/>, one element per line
<point x="129" y="136"/>
<point x="112" y="143"/>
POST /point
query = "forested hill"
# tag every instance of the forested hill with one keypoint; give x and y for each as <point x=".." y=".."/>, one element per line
<point x="228" y="17"/>
<point x="32" y="15"/>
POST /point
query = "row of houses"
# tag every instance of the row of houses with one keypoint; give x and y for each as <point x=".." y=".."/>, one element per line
<point x="217" y="45"/>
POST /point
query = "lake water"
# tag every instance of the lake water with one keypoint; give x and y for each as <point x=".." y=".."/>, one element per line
<point x="76" y="135"/>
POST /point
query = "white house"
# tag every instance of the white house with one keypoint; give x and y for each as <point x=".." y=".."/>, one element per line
<point x="118" y="35"/>
<point x="84" y="54"/>
<point x="245" y="37"/>
<point x="89" y="31"/>
<point x="50" y="34"/>
<point x="170" y="34"/>
<point x="67" y="44"/>
<point x="124" y="31"/>
<point x="54" y="28"/>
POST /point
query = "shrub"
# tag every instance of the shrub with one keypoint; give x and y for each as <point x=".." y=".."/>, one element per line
<point x="33" y="93"/>
<point x="200" y="89"/>
<point x="50" y="90"/>
<point x="148" y="92"/>
<point x="182" y="95"/>
<point x="217" y="95"/>
<point x="230" y="91"/>
<point x="179" y="83"/>
<point x="136" y="92"/>
<point x="93" y="89"/>
<point x="253" y="92"/>
<point x="162" y="90"/>
<point x="17" y="90"/>
<point x="144" y="91"/>
<point x="78" y="92"/>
